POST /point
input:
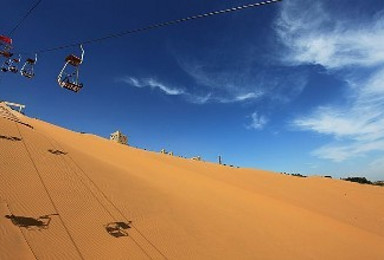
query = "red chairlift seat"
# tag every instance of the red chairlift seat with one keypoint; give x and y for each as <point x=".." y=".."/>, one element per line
<point x="6" y="54"/>
<point x="71" y="86"/>
<point x="31" y="61"/>
<point x="16" y="60"/>
<point x="5" y="46"/>
<point x="5" y="40"/>
<point x="73" y="60"/>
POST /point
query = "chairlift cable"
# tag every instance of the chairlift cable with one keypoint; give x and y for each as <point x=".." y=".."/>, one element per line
<point x="22" y="233"/>
<point x="36" y="4"/>
<point x="48" y="193"/>
<point x="160" y="25"/>
<point x="108" y="201"/>
<point x="76" y="168"/>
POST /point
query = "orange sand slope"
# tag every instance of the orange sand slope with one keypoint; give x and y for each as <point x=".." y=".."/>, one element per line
<point x="78" y="196"/>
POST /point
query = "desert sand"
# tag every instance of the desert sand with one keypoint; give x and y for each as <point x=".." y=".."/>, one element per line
<point x="60" y="190"/>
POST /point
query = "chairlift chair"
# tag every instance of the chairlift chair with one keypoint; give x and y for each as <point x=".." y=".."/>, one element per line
<point x="69" y="77"/>
<point x="27" y="69"/>
<point x="12" y="64"/>
<point x="5" y="66"/>
<point x="6" y="54"/>
<point x="5" y="47"/>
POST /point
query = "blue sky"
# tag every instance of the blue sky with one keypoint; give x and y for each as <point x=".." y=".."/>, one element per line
<point x="296" y="86"/>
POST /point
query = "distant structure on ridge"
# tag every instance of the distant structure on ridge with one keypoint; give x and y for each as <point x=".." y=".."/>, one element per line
<point x="118" y="137"/>
<point x="163" y="151"/>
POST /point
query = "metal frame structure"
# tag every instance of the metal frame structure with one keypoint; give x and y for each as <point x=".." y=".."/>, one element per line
<point x="70" y="81"/>
<point x="27" y="69"/>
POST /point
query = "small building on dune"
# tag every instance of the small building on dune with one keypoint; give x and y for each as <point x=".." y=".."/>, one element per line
<point x="119" y="137"/>
<point x="163" y="151"/>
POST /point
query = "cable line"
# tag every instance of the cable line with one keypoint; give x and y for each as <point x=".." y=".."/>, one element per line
<point x="36" y="4"/>
<point x="160" y="25"/>
<point x="22" y="233"/>
<point x="108" y="201"/>
<point x="48" y="193"/>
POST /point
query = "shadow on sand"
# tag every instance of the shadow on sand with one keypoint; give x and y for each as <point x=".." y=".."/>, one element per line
<point x="10" y="138"/>
<point x="39" y="223"/>
<point x="57" y="152"/>
<point x="118" y="229"/>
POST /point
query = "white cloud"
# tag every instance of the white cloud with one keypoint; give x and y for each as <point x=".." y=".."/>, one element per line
<point x="315" y="36"/>
<point x="151" y="83"/>
<point x="196" y="99"/>
<point x="211" y="98"/>
<point x="193" y="98"/>
<point x="361" y="123"/>
<point x="243" y="78"/>
<point x="250" y="95"/>
<point x="239" y="97"/>
<point x="339" y="153"/>
<point x="258" y="121"/>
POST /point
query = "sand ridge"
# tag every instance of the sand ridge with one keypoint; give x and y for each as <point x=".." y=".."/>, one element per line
<point x="180" y="209"/>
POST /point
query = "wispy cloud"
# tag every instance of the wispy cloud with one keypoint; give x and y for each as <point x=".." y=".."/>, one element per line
<point x="247" y="96"/>
<point x="199" y="99"/>
<point x="216" y="98"/>
<point x="244" y="78"/>
<point x="239" y="97"/>
<point x="191" y="97"/>
<point x="361" y="122"/>
<point x="339" y="153"/>
<point x="258" y="121"/>
<point x="313" y="36"/>
<point x="152" y="83"/>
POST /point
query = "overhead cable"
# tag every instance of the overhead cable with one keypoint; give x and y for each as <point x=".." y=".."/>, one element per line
<point x="160" y="25"/>
<point x="36" y="4"/>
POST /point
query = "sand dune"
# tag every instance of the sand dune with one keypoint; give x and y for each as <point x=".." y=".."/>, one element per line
<point x="62" y="190"/>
